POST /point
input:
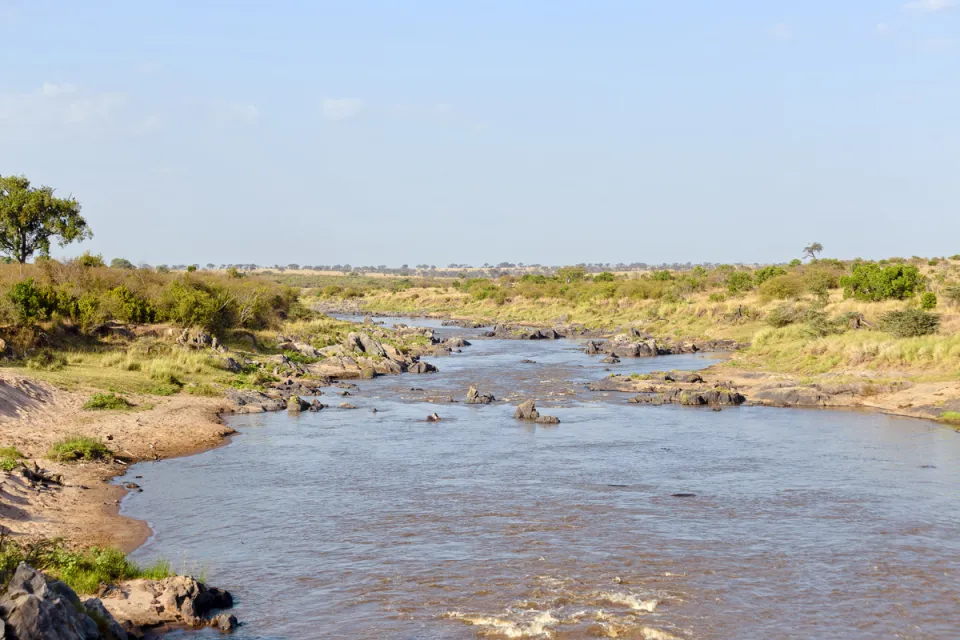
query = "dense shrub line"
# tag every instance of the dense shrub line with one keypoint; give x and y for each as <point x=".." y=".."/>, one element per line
<point x="89" y="296"/>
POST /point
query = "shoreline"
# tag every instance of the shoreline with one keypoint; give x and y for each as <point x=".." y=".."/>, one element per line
<point x="86" y="509"/>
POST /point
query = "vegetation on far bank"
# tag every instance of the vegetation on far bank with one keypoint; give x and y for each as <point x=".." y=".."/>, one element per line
<point x="800" y="317"/>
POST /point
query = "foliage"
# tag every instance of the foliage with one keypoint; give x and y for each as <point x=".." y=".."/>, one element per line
<point x="47" y="360"/>
<point x="605" y="276"/>
<point x="572" y="274"/>
<point x="89" y="260"/>
<point x="928" y="300"/>
<point x="106" y="401"/>
<point x="783" y="316"/>
<point x="9" y="458"/>
<point x="30" y="217"/>
<point x="83" y="571"/>
<point x="910" y="323"/>
<point x="74" y="448"/>
<point x="740" y="282"/>
<point x="121" y="263"/>
<point x="874" y="282"/>
<point x="763" y="274"/>
<point x="812" y="250"/>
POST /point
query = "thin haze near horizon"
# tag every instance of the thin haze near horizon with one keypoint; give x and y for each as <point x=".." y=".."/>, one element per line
<point x="541" y="132"/>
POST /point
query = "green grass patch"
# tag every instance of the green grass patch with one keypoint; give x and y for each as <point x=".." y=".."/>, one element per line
<point x="74" y="448"/>
<point x="204" y="390"/>
<point x="47" y="360"/>
<point x="950" y="417"/>
<point x="84" y="571"/>
<point x="107" y="402"/>
<point x="10" y="457"/>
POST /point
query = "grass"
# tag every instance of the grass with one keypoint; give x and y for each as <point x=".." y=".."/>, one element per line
<point x="84" y="571"/>
<point x="10" y="457"/>
<point x="75" y="448"/>
<point x="107" y="402"/>
<point x="950" y="417"/>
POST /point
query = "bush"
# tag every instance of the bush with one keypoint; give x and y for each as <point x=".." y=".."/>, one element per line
<point x="739" y="282"/>
<point x="9" y="458"/>
<point x="31" y="302"/>
<point x="106" y="402"/>
<point x="820" y="324"/>
<point x="763" y="274"/>
<point x="781" y="287"/>
<point x="47" y="360"/>
<point x="910" y="323"/>
<point x="606" y="276"/>
<point x="796" y="262"/>
<point x="716" y="297"/>
<point x="873" y="282"/>
<point x="928" y="300"/>
<point x="89" y="260"/>
<point x="783" y="316"/>
<point x="75" y="448"/>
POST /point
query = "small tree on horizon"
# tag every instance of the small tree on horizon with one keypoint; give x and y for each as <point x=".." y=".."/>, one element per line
<point x="811" y="250"/>
<point x="30" y="217"/>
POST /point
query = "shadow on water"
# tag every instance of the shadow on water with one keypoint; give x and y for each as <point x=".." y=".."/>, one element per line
<point x="622" y="520"/>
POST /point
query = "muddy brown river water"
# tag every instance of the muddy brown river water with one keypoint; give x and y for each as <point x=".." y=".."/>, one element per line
<point x="362" y="524"/>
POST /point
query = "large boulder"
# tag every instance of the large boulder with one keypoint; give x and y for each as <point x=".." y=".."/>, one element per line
<point x="475" y="397"/>
<point x="456" y="343"/>
<point x="180" y="600"/>
<point x="296" y="404"/>
<point x="34" y="609"/>
<point x="527" y="411"/>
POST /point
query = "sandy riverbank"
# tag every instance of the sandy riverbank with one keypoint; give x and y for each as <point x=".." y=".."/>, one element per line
<point x="85" y="510"/>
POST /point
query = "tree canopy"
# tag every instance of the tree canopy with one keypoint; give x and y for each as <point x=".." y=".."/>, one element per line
<point x="30" y="217"/>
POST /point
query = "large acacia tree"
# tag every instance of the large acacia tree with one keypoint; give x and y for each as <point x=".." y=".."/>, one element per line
<point x="30" y="217"/>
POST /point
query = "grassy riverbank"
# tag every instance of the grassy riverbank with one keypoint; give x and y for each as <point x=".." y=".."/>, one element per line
<point x="828" y="319"/>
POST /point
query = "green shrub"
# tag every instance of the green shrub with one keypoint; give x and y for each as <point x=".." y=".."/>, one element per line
<point x="739" y="282"/>
<point x="763" y="274"/>
<point x="90" y="260"/>
<point x="74" y="448"/>
<point x="106" y="401"/>
<point x="910" y="323"/>
<point x="129" y="307"/>
<point x="796" y="262"/>
<point x="10" y="457"/>
<point x="606" y="276"/>
<point x="873" y="282"/>
<point x="661" y="276"/>
<point x="783" y="316"/>
<point x="31" y="302"/>
<point x="47" y="360"/>
<point x="716" y="297"/>
<point x="820" y="324"/>
<point x="781" y="287"/>
<point x="928" y="300"/>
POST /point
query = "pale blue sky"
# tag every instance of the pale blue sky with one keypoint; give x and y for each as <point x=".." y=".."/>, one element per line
<point x="541" y="131"/>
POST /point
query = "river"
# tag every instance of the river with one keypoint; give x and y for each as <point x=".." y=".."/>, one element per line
<point x="362" y="524"/>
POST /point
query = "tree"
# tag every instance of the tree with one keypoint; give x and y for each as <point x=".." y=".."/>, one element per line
<point x="811" y="250"/>
<point x="30" y="217"/>
<point x="121" y="263"/>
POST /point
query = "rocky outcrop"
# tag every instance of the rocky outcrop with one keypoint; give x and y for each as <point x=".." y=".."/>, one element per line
<point x="296" y="404"/>
<point x="34" y="608"/>
<point x="180" y="600"/>
<point x="456" y="343"/>
<point x="636" y="344"/>
<point x="528" y="411"/>
<point x="475" y="397"/>
<point x="521" y="332"/>
<point x="717" y="396"/>
<point x="672" y="387"/>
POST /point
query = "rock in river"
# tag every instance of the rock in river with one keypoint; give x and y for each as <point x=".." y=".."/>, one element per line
<point x="475" y="397"/>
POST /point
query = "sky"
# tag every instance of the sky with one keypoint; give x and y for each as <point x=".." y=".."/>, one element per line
<point x="541" y="131"/>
